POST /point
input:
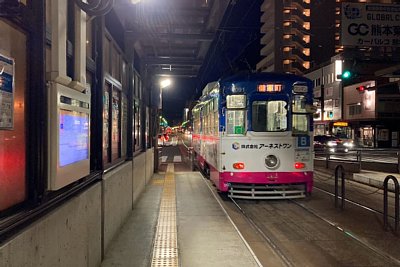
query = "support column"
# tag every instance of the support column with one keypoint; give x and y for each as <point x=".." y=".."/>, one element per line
<point x="58" y="62"/>
<point x="79" y="82"/>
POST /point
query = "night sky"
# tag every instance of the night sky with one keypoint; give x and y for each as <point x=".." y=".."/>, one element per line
<point x="235" y="48"/>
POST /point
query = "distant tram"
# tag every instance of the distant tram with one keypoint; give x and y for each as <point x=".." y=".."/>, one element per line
<point x="252" y="135"/>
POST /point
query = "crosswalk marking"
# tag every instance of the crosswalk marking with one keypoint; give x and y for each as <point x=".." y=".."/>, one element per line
<point x="176" y="159"/>
<point x="164" y="159"/>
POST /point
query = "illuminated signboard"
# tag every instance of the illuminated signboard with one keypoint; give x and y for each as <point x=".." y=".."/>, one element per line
<point x="366" y="24"/>
<point x="269" y="88"/>
<point x="341" y="123"/>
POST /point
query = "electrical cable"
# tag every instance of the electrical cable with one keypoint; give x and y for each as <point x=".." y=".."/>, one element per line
<point x="96" y="8"/>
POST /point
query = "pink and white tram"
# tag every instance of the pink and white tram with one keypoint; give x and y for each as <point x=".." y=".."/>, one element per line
<point x="252" y="135"/>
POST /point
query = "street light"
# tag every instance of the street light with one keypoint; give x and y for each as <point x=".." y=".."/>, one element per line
<point x="165" y="83"/>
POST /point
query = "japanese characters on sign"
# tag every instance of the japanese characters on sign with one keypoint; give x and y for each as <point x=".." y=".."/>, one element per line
<point x="6" y="93"/>
<point x="365" y="24"/>
<point x="236" y="146"/>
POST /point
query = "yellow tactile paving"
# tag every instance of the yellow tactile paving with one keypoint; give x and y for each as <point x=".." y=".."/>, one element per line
<point x="165" y="250"/>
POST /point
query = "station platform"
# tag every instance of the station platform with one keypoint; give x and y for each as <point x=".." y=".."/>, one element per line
<point x="376" y="179"/>
<point x="371" y="178"/>
<point x="178" y="221"/>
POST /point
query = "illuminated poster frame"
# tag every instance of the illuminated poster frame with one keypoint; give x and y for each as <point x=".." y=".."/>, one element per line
<point x="69" y="132"/>
<point x="6" y="93"/>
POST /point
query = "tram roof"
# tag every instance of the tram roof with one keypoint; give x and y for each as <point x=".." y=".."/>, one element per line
<point x="264" y="76"/>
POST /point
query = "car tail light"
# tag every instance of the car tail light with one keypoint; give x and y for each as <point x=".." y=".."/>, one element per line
<point x="299" y="165"/>
<point x="238" y="165"/>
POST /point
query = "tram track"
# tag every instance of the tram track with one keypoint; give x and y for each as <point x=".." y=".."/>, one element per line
<point x="283" y="254"/>
<point x="275" y="248"/>
<point x="347" y="200"/>
<point x="271" y="231"/>
<point x="286" y="259"/>
<point x="348" y="232"/>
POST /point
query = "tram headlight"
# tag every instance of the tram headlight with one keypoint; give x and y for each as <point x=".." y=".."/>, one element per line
<point x="271" y="161"/>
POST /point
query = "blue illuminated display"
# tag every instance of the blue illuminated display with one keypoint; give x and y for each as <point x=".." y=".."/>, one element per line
<point x="73" y="137"/>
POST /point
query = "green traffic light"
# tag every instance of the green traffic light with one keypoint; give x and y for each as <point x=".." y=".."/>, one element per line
<point x="346" y="74"/>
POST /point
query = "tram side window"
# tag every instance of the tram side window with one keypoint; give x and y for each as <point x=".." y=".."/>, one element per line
<point x="235" y="122"/>
<point x="196" y="121"/>
<point x="300" y="118"/>
<point x="299" y="104"/>
<point x="299" y="124"/>
<point x="269" y="116"/>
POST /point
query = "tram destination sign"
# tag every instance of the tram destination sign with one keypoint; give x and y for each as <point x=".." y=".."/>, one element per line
<point x="365" y="24"/>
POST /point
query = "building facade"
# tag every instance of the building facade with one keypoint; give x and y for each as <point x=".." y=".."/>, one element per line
<point x="76" y="146"/>
<point x="299" y="36"/>
<point x="286" y="36"/>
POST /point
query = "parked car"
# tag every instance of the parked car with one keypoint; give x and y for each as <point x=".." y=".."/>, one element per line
<point x="332" y="144"/>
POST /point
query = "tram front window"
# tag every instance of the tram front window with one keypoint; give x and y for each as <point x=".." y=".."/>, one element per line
<point x="269" y="116"/>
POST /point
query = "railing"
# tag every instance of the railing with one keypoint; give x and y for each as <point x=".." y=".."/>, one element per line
<point x="386" y="160"/>
<point x="339" y="171"/>
<point x="385" y="202"/>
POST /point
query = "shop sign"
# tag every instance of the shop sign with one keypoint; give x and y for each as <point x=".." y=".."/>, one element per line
<point x="366" y="24"/>
<point x="341" y="124"/>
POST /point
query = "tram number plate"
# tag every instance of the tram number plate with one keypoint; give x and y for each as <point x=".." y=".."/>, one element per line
<point x="302" y="155"/>
<point x="303" y="141"/>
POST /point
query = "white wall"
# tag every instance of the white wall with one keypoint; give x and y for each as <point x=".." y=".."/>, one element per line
<point x="118" y="201"/>
<point x="72" y="235"/>
<point x="139" y="175"/>
<point x="68" y="236"/>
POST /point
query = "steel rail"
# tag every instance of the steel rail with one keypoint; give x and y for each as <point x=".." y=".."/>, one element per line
<point x="349" y="234"/>
<point x="271" y="243"/>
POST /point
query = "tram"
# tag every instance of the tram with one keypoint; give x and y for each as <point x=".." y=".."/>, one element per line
<point x="252" y="135"/>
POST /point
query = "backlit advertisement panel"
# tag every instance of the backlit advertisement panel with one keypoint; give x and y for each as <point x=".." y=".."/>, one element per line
<point x="367" y="24"/>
